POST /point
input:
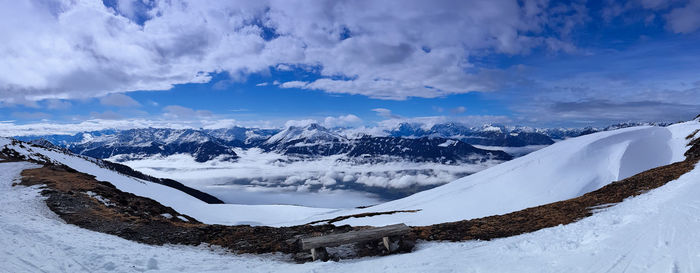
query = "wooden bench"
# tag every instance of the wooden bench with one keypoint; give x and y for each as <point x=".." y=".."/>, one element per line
<point x="318" y="245"/>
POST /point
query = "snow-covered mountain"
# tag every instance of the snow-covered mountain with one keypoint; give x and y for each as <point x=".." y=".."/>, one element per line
<point x="501" y="135"/>
<point x="178" y="199"/>
<point x="309" y="134"/>
<point x="487" y="135"/>
<point x="140" y="143"/>
<point x="240" y="136"/>
<point x="560" y="171"/>
<point x="441" y="150"/>
<point x="639" y="234"/>
<point x="563" y="133"/>
<point x="43" y="152"/>
<point x="315" y="140"/>
<point x="412" y="142"/>
<point x="310" y="141"/>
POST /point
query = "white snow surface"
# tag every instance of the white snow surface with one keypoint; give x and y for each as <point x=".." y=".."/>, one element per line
<point x="560" y="171"/>
<point x="514" y="151"/>
<point x="311" y="133"/>
<point x="224" y="214"/>
<point x="653" y="232"/>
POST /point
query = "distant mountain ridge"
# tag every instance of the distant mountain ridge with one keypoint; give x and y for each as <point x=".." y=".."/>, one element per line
<point x="44" y="152"/>
<point x="442" y="142"/>
<point x="487" y="135"/>
<point x="315" y="140"/>
<point x="151" y="141"/>
<point x="308" y="141"/>
<point x="501" y="135"/>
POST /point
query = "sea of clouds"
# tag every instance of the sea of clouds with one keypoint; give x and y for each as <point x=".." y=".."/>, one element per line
<point x="258" y="177"/>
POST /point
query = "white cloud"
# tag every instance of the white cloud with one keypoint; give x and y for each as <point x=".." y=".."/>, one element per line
<point x="106" y="115"/>
<point x="181" y="112"/>
<point x="56" y="104"/>
<point x="349" y="120"/>
<point x="685" y="19"/>
<point x="284" y="67"/>
<point x="294" y="84"/>
<point x="271" y="172"/>
<point x="386" y="113"/>
<point x="458" y="110"/>
<point x="385" y="49"/>
<point x="31" y="115"/>
<point x="428" y="122"/>
<point x="10" y="128"/>
<point x="119" y="100"/>
<point x="681" y="17"/>
<point x="299" y="123"/>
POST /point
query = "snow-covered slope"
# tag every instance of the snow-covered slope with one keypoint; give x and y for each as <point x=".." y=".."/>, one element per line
<point x="561" y="171"/>
<point x="225" y="214"/>
<point x="312" y="133"/>
<point x="488" y="134"/>
<point x="139" y="143"/>
<point x="653" y="232"/>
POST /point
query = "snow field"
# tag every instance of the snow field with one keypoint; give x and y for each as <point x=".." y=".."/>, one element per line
<point x="653" y="232"/>
<point x="564" y="170"/>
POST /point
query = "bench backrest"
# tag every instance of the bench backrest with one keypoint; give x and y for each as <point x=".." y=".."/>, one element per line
<point x="354" y="236"/>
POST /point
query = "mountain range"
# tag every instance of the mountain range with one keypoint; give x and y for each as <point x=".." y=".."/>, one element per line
<point x="442" y="143"/>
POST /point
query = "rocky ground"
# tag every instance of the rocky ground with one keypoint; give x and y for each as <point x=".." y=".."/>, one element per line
<point x="81" y="200"/>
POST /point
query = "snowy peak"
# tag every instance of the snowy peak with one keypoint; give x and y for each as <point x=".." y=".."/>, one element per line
<point x="240" y="136"/>
<point x="492" y="128"/>
<point x="405" y="129"/>
<point x="145" y="137"/>
<point x="138" y="143"/>
<point x="310" y="133"/>
<point x="487" y="135"/>
<point x="446" y="151"/>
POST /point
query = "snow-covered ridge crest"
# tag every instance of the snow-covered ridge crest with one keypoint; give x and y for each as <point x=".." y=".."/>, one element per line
<point x="561" y="171"/>
<point x="309" y="133"/>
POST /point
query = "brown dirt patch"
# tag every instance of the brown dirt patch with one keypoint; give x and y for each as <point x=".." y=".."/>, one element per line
<point x="81" y="200"/>
<point x="361" y="215"/>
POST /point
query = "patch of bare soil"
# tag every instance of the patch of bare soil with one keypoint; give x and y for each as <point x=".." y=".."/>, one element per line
<point x="360" y="215"/>
<point x="81" y="200"/>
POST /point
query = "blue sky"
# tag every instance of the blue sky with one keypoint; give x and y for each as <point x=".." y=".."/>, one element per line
<point x="354" y="63"/>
